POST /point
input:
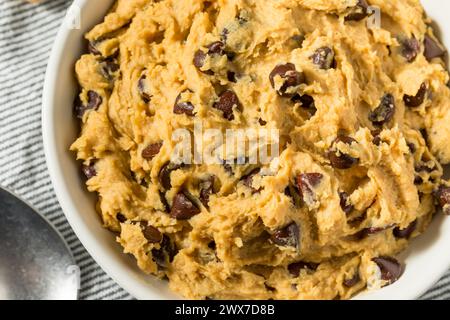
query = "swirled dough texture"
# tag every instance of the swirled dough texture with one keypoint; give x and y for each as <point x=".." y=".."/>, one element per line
<point x="363" y="114"/>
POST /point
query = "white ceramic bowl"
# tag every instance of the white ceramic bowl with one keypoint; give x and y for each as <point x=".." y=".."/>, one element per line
<point x="427" y="258"/>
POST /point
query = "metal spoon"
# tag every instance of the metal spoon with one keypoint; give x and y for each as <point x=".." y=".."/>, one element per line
<point x="35" y="262"/>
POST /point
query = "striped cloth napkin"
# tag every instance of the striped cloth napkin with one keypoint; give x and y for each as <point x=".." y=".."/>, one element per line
<point x="27" y="32"/>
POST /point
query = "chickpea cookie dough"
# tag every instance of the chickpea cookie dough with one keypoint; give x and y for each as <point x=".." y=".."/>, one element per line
<point x="362" y="110"/>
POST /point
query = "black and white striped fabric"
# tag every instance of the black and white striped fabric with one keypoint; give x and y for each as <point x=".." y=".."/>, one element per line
<point x="26" y="35"/>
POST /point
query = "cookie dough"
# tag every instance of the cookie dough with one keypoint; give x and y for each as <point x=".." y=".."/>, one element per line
<point x="362" y="110"/>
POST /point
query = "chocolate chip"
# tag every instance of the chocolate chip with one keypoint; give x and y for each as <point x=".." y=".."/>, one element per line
<point x="206" y="189"/>
<point x="151" y="150"/>
<point x="346" y="206"/>
<point x="432" y="48"/>
<point x="306" y="101"/>
<point x="212" y="245"/>
<point x="338" y="159"/>
<point x="287" y="237"/>
<point x="352" y="281"/>
<point x="216" y="48"/>
<point x="121" y="218"/>
<point x="227" y="101"/>
<point x="323" y="58"/>
<point x="248" y="180"/>
<point x="407" y="232"/>
<point x="146" y="97"/>
<point x="306" y="183"/>
<point x="199" y="61"/>
<point x="231" y="76"/>
<point x="166" y="253"/>
<point x="359" y="12"/>
<point x="391" y="269"/>
<point x="108" y="68"/>
<point x="412" y="147"/>
<point x="410" y="49"/>
<point x="369" y="232"/>
<point x="183" y="107"/>
<point x="183" y="208"/>
<point x="385" y="111"/>
<point x="296" y="267"/>
<point x="418" y="180"/>
<point x="152" y="234"/>
<point x="162" y="197"/>
<point x="164" y="174"/>
<point x="290" y="78"/>
<point x="92" y="48"/>
<point x="376" y="137"/>
<point x="89" y="171"/>
<point x="443" y="197"/>
<point x="417" y="100"/>
<point x="262" y="122"/>
<point x="94" y="102"/>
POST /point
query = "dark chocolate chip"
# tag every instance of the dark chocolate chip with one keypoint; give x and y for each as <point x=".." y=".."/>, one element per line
<point x="306" y="183"/>
<point x="391" y="269"/>
<point x="323" y="58"/>
<point x="92" y="48"/>
<point x="262" y="122"/>
<point x="376" y="137"/>
<point x="417" y="100"/>
<point x="407" y="232"/>
<point x="287" y="236"/>
<point x="369" y="232"/>
<point x="418" y="180"/>
<point x="183" y="208"/>
<point x="359" y="12"/>
<point x="384" y="112"/>
<point x="183" y="107"/>
<point x="432" y="48"/>
<point x="290" y="76"/>
<point x="162" y="197"/>
<point x="206" y="189"/>
<point x="212" y="245"/>
<point x="346" y="206"/>
<point x="166" y="253"/>
<point x="121" y="218"/>
<point x="352" y="281"/>
<point x="231" y="76"/>
<point x="296" y="267"/>
<point x="152" y="234"/>
<point x="146" y="97"/>
<point x="151" y="150"/>
<point x="341" y="160"/>
<point x="89" y="171"/>
<point x="412" y="147"/>
<point x="108" y="68"/>
<point x="216" y="48"/>
<point x="94" y="102"/>
<point x="227" y="101"/>
<point x="442" y="195"/>
<point x="199" y="61"/>
<point x="164" y="174"/>
<point x="410" y="49"/>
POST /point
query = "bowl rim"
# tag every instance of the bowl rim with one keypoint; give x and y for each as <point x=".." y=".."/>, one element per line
<point x="107" y="262"/>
